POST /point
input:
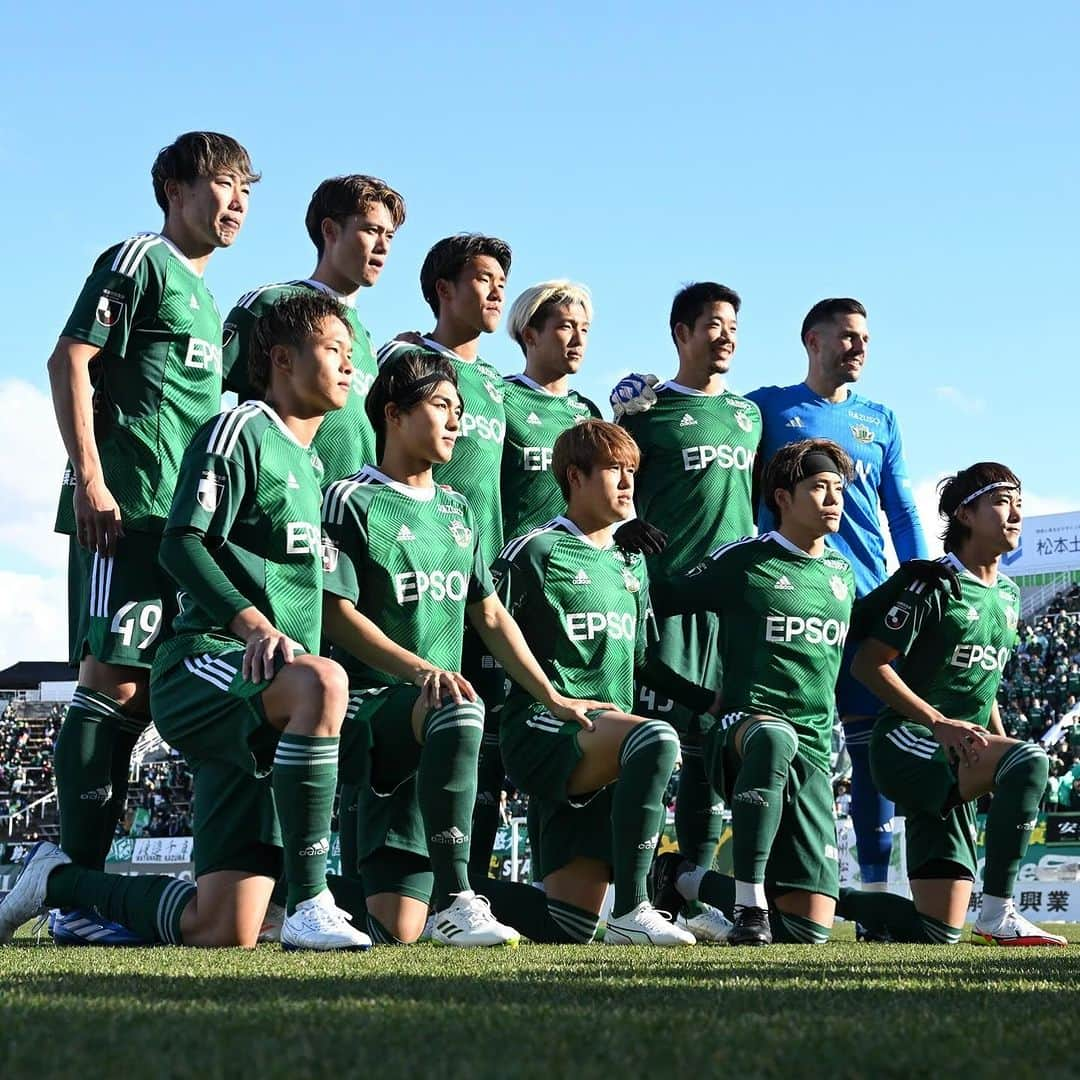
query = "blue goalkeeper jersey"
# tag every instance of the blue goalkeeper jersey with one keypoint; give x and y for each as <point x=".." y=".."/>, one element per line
<point x="870" y="434"/>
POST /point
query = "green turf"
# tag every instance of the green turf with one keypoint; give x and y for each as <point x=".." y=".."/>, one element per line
<point x="841" y="1010"/>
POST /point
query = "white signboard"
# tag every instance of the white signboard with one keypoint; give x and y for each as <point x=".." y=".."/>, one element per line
<point x="1049" y="543"/>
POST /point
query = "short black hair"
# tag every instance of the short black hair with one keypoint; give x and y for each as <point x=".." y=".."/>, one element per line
<point x="691" y="300"/>
<point x="405" y="381"/>
<point x="447" y="258"/>
<point x="824" y="310"/>
<point x="956" y="491"/>
<point x="341" y="196"/>
<point x="785" y="468"/>
<point x="289" y="320"/>
<point x="199" y="153"/>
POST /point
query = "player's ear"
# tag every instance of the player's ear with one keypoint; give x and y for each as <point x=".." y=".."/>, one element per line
<point x="682" y="333"/>
<point x="330" y="229"/>
<point x="281" y="358"/>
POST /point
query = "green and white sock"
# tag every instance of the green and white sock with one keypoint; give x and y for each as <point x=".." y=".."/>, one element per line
<point x="1019" y="783"/>
<point x="529" y="911"/>
<point x="895" y="915"/>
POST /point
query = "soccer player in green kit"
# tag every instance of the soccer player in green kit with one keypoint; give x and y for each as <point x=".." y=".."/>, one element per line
<point x="404" y="568"/>
<point x="784" y="602"/>
<point x="240" y="688"/>
<point x="936" y="663"/>
<point x="698" y="443"/>
<point x="596" y="790"/>
<point x="463" y="280"/>
<point x="136" y="371"/>
<point x="352" y="221"/>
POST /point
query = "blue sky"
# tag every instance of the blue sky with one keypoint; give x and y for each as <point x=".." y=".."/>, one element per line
<point x="922" y="157"/>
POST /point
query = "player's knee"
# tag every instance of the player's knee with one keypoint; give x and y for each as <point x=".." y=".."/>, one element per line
<point x="325" y="686"/>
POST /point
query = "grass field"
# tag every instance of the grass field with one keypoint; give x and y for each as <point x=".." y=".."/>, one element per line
<point x="841" y="1010"/>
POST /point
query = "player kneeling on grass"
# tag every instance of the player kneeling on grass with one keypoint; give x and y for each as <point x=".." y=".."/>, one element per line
<point x="595" y="783"/>
<point x="403" y="569"/>
<point x="240" y="689"/>
<point x="939" y="743"/>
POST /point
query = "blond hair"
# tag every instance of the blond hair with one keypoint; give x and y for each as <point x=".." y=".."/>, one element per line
<point x="535" y="304"/>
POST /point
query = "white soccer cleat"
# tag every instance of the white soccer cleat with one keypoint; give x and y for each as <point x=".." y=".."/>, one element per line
<point x="468" y="923"/>
<point x="27" y="898"/>
<point x="429" y="928"/>
<point x="644" y="925"/>
<point x="1014" y="930"/>
<point x="710" y="926"/>
<point x="272" y="923"/>
<point x="320" y="925"/>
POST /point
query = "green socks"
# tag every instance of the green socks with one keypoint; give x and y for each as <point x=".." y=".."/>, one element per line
<point x="768" y="748"/>
<point x="1019" y="783"/>
<point x="348" y="830"/>
<point x="896" y="916"/>
<point x="304" y="780"/>
<point x="699" y="819"/>
<point x="92" y="759"/>
<point x="485" y="818"/>
<point x="544" y="921"/>
<point x="788" y="929"/>
<point x="149" y="906"/>
<point x="646" y="759"/>
<point x="446" y="791"/>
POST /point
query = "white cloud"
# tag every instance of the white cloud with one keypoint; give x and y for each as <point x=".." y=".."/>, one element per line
<point x="971" y="406"/>
<point x="30" y="484"/>
<point x="34" y="624"/>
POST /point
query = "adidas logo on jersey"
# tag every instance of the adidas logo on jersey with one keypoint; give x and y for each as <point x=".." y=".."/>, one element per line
<point x="405" y="533"/>
<point x="453" y="835"/>
<point x="783" y="583"/>
<point x="687" y="421"/>
<point x="581" y="578"/>
<point x="291" y="482"/>
<point x="193" y="304"/>
<point x="794" y="422"/>
<point x="533" y="419"/>
<point x="973" y="615"/>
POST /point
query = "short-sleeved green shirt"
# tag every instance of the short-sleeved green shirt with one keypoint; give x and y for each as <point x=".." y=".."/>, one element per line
<point x="409" y="560"/>
<point x="345" y="441"/>
<point x="251" y="492"/>
<point x="475" y="468"/>
<point x="535" y="418"/>
<point x="784" y="619"/>
<point x="157" y="377"/>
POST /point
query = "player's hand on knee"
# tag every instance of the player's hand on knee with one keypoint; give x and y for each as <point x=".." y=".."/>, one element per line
<point x="936" y="575"/>
<point x="962" y="741"/>
<point x="633" y="394"/>
<point x="578" y="709"/>
<point x="263" y="642"/>
<point x="637" y="535"/>
<point x="98" y="523"/>
<point x="436" y="685"/>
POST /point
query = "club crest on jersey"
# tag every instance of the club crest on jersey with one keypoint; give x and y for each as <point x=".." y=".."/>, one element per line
<point x="835" y="564"/>
<point x="209" y="490"/>
<point x="330" y="552"/>
<point x="744" y="421"/>
<point x="632" y="584"/>
<point x="495" y="394"/>
<point x="1011" y="618"/>
<point x="228" y="332"/>
<point x="839" y="587"/>
<point x="461" y="533"/>
<point x="861" y="433"/>
<point x="897" y="616"/>
<point x="110" y="307"/>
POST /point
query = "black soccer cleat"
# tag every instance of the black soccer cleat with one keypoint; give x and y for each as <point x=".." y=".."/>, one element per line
<point x="872" y="937"/>
<point x="751" y="927"/>
<point x="661" y="883"/>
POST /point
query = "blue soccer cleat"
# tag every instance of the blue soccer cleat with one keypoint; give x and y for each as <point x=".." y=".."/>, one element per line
<point x="85" y="926"/>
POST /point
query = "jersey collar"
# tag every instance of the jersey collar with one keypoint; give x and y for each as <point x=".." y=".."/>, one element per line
<point x="524" y="380"/>
<point x="178" y="253"/>
<point x="272" y="413"/>
<point x="434" y="346"/>
<point x="951" y="560"/>
<point x="570" y="527"/>
<point x="415" y="493"/>
<point x="784" y="542"/>
<point x="348" y="299"/>
<point x="689" y="391"/>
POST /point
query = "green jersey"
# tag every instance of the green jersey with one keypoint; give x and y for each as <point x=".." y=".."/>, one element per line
<point x="475" y="467"/>
<point x="156" y="379"/>
<point x="952" y="652"/>
<point x="697" y="456"/>
<point x="535" y="418"/>
<point x="409" y="560"/>
<point x="345" y="441"/>
<point x="784" y="618"/>
<point x="249" y="492"/>
<point x="584" y="611"/>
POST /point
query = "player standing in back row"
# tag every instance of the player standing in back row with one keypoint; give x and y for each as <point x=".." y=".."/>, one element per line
<point x="835" y="336"/>
<point x="698" y="443"/>
<point x="135" y="373"/>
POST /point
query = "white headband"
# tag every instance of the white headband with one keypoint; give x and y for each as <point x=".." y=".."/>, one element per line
<point x="989" y="487"/>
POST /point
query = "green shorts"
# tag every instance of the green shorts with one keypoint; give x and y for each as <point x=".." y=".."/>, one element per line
<point x="540" y="753"/>
<point x="204" y="708"/>
<point x="121" y="606"/>
<point x="403" y="873"/>
<point x="804" y="854"/>
<point x="912" y="768"/>
<point x="681" y="637"/>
